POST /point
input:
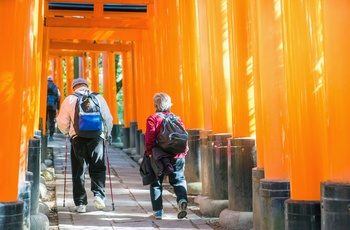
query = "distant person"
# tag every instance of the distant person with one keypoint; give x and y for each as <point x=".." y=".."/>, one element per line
<point x="52" y="106"/>
<point x="162" y="103"/>
<point x="87" y="148"/>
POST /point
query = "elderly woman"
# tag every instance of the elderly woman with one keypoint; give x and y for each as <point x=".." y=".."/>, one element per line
<point x="162" y="103"/>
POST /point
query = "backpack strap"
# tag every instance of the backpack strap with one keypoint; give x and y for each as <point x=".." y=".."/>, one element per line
<point x="170" y="115"/>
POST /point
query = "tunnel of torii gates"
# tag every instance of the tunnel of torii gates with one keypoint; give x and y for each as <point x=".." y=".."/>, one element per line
<point x="276" y="71"/>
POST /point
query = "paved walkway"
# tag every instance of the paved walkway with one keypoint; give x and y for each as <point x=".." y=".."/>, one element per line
<point x="131" y="199"/>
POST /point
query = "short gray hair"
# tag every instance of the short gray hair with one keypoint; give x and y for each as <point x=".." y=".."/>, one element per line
<point x="162" y="102"/>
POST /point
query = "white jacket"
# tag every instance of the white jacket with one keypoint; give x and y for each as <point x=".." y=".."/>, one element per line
<point x="65" y="117"/>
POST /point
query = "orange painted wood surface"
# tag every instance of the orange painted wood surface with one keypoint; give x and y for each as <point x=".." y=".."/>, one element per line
<point x="337" y="78"/>
<point x="272" y="90"/>
<point x="306" y="133"/>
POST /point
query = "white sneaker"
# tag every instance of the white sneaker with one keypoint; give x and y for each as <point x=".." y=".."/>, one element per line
<point x="99" y="203"/>
<point x="81" y="208"/>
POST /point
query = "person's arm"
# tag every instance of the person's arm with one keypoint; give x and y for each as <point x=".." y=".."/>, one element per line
<point x="150" y="135"/>
<point x="106" y="115"/>
<point x="64" y="117"/>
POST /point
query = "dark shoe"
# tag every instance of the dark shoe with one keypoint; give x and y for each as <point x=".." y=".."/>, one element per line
<point x="182" y="209"/>
<point x="158" y="214"/>
<point x="51" y="138"/>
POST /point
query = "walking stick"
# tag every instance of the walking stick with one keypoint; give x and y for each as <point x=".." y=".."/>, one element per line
<point x="65" y="172"/>
<point x="109" y="174"/>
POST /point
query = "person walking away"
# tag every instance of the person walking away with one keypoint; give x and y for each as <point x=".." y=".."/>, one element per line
<point x="86" y="152"/>
<point x="52" y="105"/>
<point x="162" y="103"/>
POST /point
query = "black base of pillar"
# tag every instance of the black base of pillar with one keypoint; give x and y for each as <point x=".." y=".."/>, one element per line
<point x="11" y="215"/>
<point x="335" y="206"/>
<point x="126" y="137"/>
<point x="273" y="193"/>
<point x="257" y="175"/>
<point x="302" y="215"/>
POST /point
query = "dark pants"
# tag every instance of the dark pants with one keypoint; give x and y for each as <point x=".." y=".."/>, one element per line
<point x="50" y="116"/>
<point x="88" y="153"/>
<point x="176" y="179"/>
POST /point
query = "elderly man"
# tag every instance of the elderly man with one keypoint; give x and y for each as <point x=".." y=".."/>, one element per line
<point x="86" y="151"/>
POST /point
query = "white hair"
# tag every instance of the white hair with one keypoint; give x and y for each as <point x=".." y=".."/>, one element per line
<point x="162" y="102"/>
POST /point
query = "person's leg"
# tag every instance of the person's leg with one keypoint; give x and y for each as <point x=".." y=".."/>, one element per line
<point x="52" y="114"/>
<point x="178" y="181"/>
<point x="78" y="171"/>
<point x="97" y="167"/>
<point x="156" y="191"/>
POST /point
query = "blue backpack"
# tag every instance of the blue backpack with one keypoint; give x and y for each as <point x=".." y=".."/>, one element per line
<point x="87" y="117"/>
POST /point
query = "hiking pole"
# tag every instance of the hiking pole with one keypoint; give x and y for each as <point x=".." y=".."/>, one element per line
<point x="65" y="172"/>
<point x="109" y="174"/>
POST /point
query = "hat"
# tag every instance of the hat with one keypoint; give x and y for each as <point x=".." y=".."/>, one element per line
<point x="79" y="81"/>
<point x="49" y="78"/>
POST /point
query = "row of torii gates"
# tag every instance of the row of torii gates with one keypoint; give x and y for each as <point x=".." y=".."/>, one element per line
<point x="273" y="70"/>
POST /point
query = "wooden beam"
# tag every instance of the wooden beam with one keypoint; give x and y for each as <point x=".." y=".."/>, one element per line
<point x="96" y="23"/>
<point x="89" y="46"/>
<point x="64" y="53"/>
<point x="132" y="2"/>
<point x="89" y="14"/>
<point x="92" y="34"/>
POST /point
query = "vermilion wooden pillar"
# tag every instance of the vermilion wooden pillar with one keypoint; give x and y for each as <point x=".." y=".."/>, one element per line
<point x="69" y="74"/>
<point x="12" y="75"/>
<point x="95" y="81"/>
<point x="241" y="64"/>
<point x="204" y="62"/>
<point x="138" y="80"/>
<point x="219" y="67"/>
<point x="336" y="185"/>
<point x="192" y="78"/>
<point x="129" y="87"/>
<point x="258" y="171"/>
<point x="274" y="115"/>
<point x="305" y="97"/>
<point x="273" y="97"/>
<point x="109" y="84"/>
<point x="306" y="134"/>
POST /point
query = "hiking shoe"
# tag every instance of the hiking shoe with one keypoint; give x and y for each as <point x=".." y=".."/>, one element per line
<point x="99" y="203"/>
<point x="158" y="214"/>
<point x="51" y="138"/>
<point x="81" y="208"/>
<point x="182" y="209"/>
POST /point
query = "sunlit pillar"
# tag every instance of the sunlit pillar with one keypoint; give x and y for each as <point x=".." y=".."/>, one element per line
<point x="258" y="171"/>
<point x="109" y="83"/>
<point x="219" y="62"/>
<point x="138" y="79"/>
<point x="336" y="185"/>
<point x="242" y="82"/>
<point x="274" y="114"/>
<point x="306" y="133"/>
<point x="95" y="81"/>
<point x="204" y="62"/>
<point x="192" y="82"/>
<point x="69" y="74"/>
<point x="12" y="76"/>
<point x="129" y="88"/>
